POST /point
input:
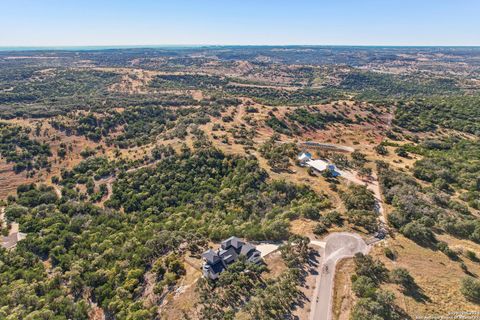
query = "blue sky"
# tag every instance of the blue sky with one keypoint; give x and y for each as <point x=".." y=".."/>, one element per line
<point x="255" y="22"/>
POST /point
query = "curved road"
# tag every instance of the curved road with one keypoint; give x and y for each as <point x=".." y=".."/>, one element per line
<point x="337" y="246"/>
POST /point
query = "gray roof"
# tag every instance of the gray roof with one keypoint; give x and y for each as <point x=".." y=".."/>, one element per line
<point x="211" y="256"/>
<point x="247" y="249"/>
<point x="218" y="267"/>
<point x="232" y="241"/>
<point x="231" y="248"/>
<point x="215" y="267"/>
<point x="229" y="255"/>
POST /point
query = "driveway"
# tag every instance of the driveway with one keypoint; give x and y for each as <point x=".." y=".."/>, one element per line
<point x="352" y="176"/>
<point x="267" y="248"/>
<point x="337" y="246"/>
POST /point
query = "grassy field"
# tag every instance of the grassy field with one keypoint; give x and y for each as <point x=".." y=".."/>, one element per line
<point x="437" y="276"/>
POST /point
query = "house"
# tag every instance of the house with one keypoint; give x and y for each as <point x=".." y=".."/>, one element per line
<point x="322" y="165"/>
<point x="214" y="262"/>
<point x="304" y="157"/>
<point x="319" y="165"/>
<point x="10" y="241"/>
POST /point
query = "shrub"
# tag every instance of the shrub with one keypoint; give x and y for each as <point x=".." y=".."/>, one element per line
<point x="402" y="277"/>
<point x="418" y="232"/>
<point x="471" y="289"/>
<point x="363" y="218"/>
<point x="389" y="253"/>
<point x="320" y="228"/>
<point x="471" y="255"/>
<point x="381" y="149"/>
<point x="358" y="197"/>
<point x="366" y="266"/>
<point x="443" y="246"/>
<point x="364" y="287"/>
<point x="401" y="152"/>
<point x="380" y="307"/>
<point x="333" y="187"/>
<point x="333" y="217"/>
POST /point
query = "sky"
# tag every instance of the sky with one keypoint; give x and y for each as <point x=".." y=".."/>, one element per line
<point x="239" y="22"/>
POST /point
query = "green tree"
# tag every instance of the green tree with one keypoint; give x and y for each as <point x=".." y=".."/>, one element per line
<point x="471" y="289"/>
<point x="402" y="277"/>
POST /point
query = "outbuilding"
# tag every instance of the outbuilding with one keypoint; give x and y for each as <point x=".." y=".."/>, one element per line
<point x="304" y="157"/>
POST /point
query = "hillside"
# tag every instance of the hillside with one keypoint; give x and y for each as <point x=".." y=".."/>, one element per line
<point x="121" y="167"/>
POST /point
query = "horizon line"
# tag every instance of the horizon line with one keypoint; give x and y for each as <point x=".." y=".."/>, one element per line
<point x="171" y="46"/>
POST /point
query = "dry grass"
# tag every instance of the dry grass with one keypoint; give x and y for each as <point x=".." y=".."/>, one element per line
<point x="303" y="227"/>
<point x="397" y="162"/>
<point x="135" y="81"/>
<point x="436" y="275"/>
<point x="275" y="265"/>
<point x="343" y="297"/>
<point x="183" y="300"/>
<point x="9" y="181"/>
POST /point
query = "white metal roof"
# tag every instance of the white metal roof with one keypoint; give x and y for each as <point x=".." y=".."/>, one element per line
<point x="318" y="164"/>
<point x="305" y="156"/>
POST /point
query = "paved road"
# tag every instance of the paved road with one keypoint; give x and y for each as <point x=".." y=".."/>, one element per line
<point x="337" y="246"/>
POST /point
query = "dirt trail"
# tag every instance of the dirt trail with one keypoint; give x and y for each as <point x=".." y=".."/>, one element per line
<point x="57" y="191"/>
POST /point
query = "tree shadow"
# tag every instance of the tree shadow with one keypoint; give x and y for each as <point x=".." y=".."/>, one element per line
<point x="471" y="274"/>
<point x="417" y="293"/>
<point x="313" y="258"/>
<point x="299" y="303"/>
<point x="474" y="259"/>
<point x="310" y="268"/>
<point x="430" y="243"/>
<point x="400" y="312"/>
